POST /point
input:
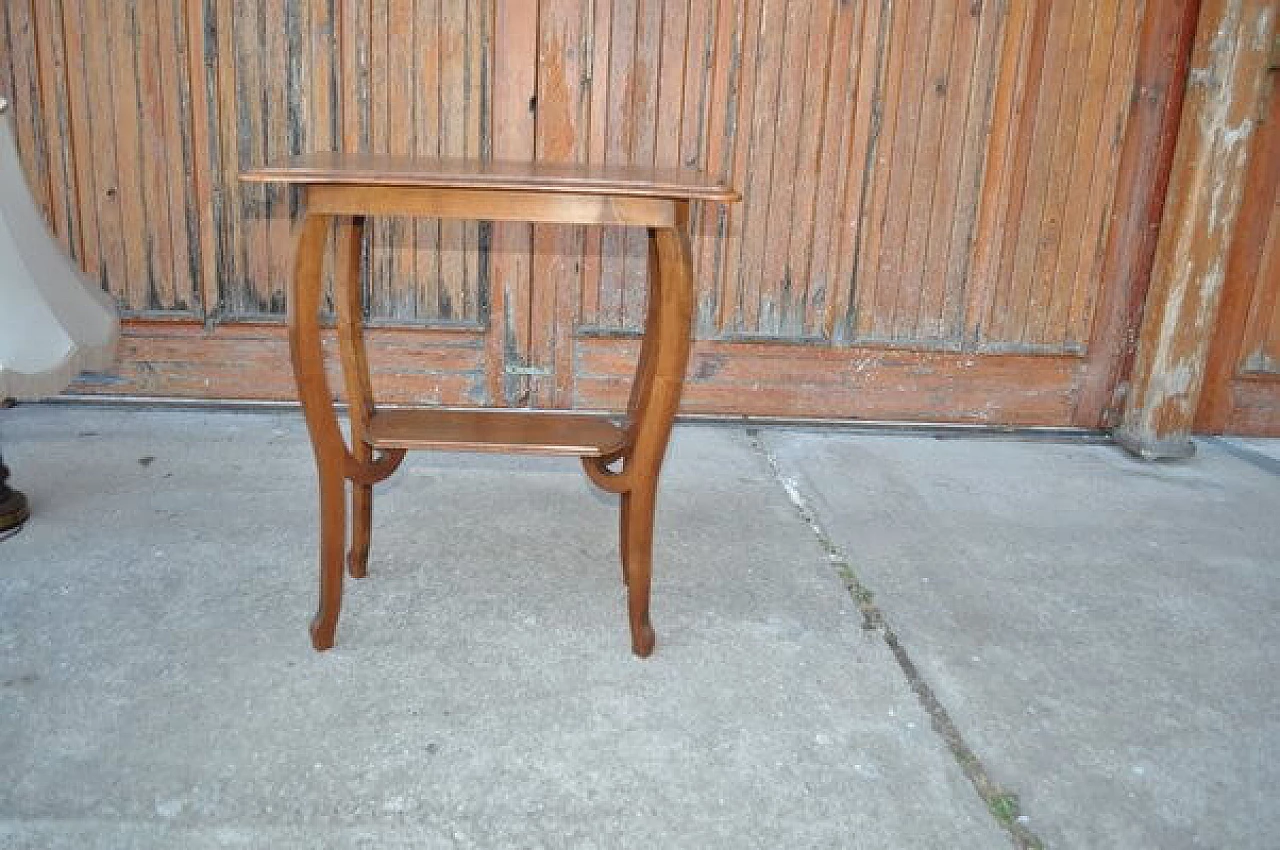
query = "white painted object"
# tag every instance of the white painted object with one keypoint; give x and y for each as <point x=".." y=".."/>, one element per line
<point x="54" y="323"/>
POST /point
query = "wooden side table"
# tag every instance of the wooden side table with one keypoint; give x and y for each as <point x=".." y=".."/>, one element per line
<point x="622" y="459"/>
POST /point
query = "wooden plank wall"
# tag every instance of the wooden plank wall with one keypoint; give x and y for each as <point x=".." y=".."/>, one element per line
<point x="857" y="133"/>
<point x="928" y="177"/>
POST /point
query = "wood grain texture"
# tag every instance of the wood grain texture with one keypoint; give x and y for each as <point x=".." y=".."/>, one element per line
<point x="918" y="175"/>
<point x="1242" y="372"/>
<point x="1163" y="51"/>
<point x="568" y="434"/>
<point x="528" y="205"/>
<point x="561" y="139"/>
<point x="462" y="173"/>
<point x="51" y="53"/>
<point x="515" y="34"/>
<point x="1229" y="79"/>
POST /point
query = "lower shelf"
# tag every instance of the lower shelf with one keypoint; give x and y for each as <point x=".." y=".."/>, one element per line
<point x="505" y="431"/>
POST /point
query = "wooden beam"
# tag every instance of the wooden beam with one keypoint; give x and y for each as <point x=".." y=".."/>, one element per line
<point x="1225" y="86"/>
<point x="1146" y="157"/>
<point x="1247" y="280"/>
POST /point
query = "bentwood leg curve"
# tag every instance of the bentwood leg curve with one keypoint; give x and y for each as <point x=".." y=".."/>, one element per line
<point x="335" y="464"/>
<point x="322" y="422"/>
<point x="655" y="397"/>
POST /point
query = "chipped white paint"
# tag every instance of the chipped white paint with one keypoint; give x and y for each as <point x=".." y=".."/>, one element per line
<point x="1264" y="30"/>
<point x="1205" y="196"/>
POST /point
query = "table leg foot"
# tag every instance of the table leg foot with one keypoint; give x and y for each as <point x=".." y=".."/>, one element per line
<point x="322" y="633"/>
<point x="642" y="640"/>
<point x="333" y="532"/>
<point x="637" y="542"/>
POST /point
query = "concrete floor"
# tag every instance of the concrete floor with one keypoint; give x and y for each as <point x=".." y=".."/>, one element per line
<point x="1045" y="624"/>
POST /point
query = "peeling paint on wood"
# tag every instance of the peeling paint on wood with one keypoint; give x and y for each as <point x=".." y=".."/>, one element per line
<point x="1226" y="83"/>
<point x="1242" y="375"/>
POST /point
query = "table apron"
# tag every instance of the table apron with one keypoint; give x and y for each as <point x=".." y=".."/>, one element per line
<point x="539" y="207"/>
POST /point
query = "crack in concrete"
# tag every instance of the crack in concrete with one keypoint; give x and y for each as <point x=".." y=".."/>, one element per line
<point x="1002" y="804"/>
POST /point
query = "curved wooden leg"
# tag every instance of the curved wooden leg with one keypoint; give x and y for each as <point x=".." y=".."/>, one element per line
<point x="660" y="376"/>
<point x="355" y="373"/>
<point x="322" y="421"/>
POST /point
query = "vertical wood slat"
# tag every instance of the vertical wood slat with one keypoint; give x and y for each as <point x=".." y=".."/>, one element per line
<point x="47" y="26"/>
<point x="620" y="80"/>
<point x="81" y="141"/>
<point x="1062" y="140"/>
<point x="22" y="82"/>
<point x="1118" y="102"/>
<point x="910" y="299"/>
<point x="673" y="36"/>
<point x="699" y="62"/>
<point x="453" y="143"/>
<point x="810" y="160"/>
<point x="149" y="87"/>
<point x="427" y="265"/>
<point x="515" y="47"/>
<point x="601" y="13"/>
<point x="857" y="145"/>
<point x="875" y="204"/>
<point x="955" y="190"/>
<point x="1013" y="298"/>
<point x="646" y="63"/>
<point x="760" y="142"/>
<point x="383" y="102"/>
<point x="231" y="250"/>
<point x="740" y="111"/>
<point x="316" y="45"/>
<point x="999" y="178"/>
<point x="560" y="136"/>
<point x="1079" y="162"/>
<point x="205" y="219"/>
<point x="245" y="100"/>
<point x="775" y="291"/>
<point x="179" y="132"/>
<point x="121" y="65"/>
<point x="722" y="101"/>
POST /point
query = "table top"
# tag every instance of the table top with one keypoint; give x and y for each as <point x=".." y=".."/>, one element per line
<point x="439" y="173"/>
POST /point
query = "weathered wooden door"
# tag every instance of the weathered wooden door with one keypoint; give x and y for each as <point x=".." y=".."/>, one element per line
<point x="930" y="190"/>
<point x="397" y="78"/>
<point x="1242" y="379"/>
